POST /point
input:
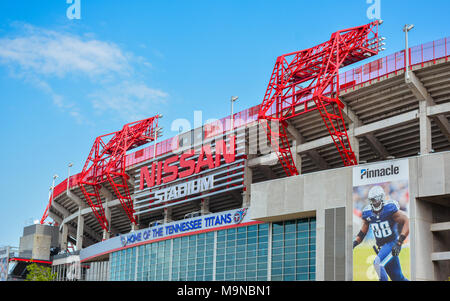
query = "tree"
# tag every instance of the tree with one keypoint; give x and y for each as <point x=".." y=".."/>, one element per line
<point x="39" y="273"/>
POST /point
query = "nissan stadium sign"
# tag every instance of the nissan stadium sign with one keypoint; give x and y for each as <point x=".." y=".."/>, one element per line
<point x="214" y="169"/>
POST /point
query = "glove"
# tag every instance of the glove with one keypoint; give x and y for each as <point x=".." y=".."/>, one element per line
<point x="396" y="248"/>
<point x="355" y="243"/>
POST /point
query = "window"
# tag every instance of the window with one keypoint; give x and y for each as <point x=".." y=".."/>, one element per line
<point x="236" y="254"/>
<point x="293" y="250"/>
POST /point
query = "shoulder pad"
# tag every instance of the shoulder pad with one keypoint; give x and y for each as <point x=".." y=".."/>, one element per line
<point x="391" y="205"/>
<point x="367" y="211"/>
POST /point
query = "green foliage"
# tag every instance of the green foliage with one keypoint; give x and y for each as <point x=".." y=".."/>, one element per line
<point x="39" y="273"/>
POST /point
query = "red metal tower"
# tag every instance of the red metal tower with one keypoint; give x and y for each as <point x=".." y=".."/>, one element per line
<point x="308" y="80"/>
<point x="106" y="165"/>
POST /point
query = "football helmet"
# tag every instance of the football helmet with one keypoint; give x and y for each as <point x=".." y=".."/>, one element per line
<point x="376" y="197"/>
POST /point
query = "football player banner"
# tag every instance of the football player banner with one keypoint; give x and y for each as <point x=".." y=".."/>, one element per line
<point x="381" y="250"/>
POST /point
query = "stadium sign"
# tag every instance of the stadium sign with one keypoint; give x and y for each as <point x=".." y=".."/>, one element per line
<point x="214" y="170"/>
<point x="179" y="167"/>
<point x="185" y="189"/>
<point x="201" y="223"/>
<point x="380" y="172"/>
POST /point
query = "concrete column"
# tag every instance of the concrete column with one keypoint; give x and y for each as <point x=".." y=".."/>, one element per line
<point x="167" y="215"/>
<point x="353" y="140"/>
<point x="204" y="206"/>
<point x="320" y="245"/>
<point x="297" y="157"/>
<point x="80" y="230"/>
<point x="248" y="179"/>
<point x="63" y="241"/>
<point x="136" y="217"/>
<point x="425" y="128"/>
<point x="107" y="234"/>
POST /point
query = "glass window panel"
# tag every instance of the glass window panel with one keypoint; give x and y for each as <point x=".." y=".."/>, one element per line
<point x="252" y="228"/>
<point x="289" y="277"/>
<point x="240" y="268"/>
<point x="250" y="260"/>
<point x="231" y="231"/>
<point x="262" y="252"/>
<point x="240" y="276"/>
<point x="277" y="271"/>
<point x="303" y="234"/>
<point x="241" y="230"/>
<point x="263" y="239"/>
<point x="241" y="236"/>
<point x="277" y="264"/>
<point x="290" y="235"/>
<point x="302" y="269"/>
<point x="251" y="247"/>
<point x="302" y="226"/>
<point x="261" y="266"/>
<point x="229" y="276"/>
<point x="290" y="226"/>
<point x="230" y="250"/>
<point x="289" y="256"/>
<point x="277" y="228"/>
<point x="302" y="277"/>
<point x="277" y="251"/>
<point x="251" y="253"/>
<point x="252" y="234"/>
<point x="229" y="269"/>
<point x="263" y="227"/>
<point x="251" y="240"/>
<point x="302" y="262"/>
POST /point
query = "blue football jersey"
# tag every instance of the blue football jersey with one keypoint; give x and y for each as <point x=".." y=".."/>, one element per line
<point x="383" y="226"/>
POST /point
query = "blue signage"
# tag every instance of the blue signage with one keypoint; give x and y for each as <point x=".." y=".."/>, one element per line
<point x="189" y="225"/>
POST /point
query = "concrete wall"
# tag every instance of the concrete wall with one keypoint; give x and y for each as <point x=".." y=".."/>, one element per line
<point x="37" y="241"/>
<point x="312" y="194"/>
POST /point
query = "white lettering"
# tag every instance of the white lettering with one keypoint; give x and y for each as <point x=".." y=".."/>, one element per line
<point x="184" y="189"/>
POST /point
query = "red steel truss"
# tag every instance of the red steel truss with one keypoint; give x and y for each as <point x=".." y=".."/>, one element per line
<point x="308" y="80"/>
<point x="106" y="165"/>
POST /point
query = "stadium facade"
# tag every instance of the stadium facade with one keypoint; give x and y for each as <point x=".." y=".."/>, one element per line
<point x="216" y="204"/>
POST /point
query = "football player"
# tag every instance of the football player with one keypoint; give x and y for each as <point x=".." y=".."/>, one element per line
<point x="390" y="227"/>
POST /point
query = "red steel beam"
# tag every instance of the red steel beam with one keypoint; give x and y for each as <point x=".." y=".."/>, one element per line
<point x="308" y="80"/>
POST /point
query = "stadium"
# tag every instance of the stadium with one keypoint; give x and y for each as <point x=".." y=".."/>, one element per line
<point x="276" y="192"/>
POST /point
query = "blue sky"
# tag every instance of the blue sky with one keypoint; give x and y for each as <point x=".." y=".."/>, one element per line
<point x="65" y="82"/>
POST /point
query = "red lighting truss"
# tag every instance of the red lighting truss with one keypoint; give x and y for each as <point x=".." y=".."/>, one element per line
<point x="106" y="165"/>
<point x="308" y="80"/>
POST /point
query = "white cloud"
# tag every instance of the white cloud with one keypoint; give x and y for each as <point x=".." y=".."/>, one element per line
<point x="131" y="101"/>
<point x="52" y="53"/>
<point x="39" y="56"/>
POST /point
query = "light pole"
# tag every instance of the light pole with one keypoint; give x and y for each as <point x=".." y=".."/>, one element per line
<point x="406" y="29"/>
<point x="233" y="99"/>
<point x="68" y="177"/>
<point x="55" y="176"/>
<point x="158" y="130"/>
